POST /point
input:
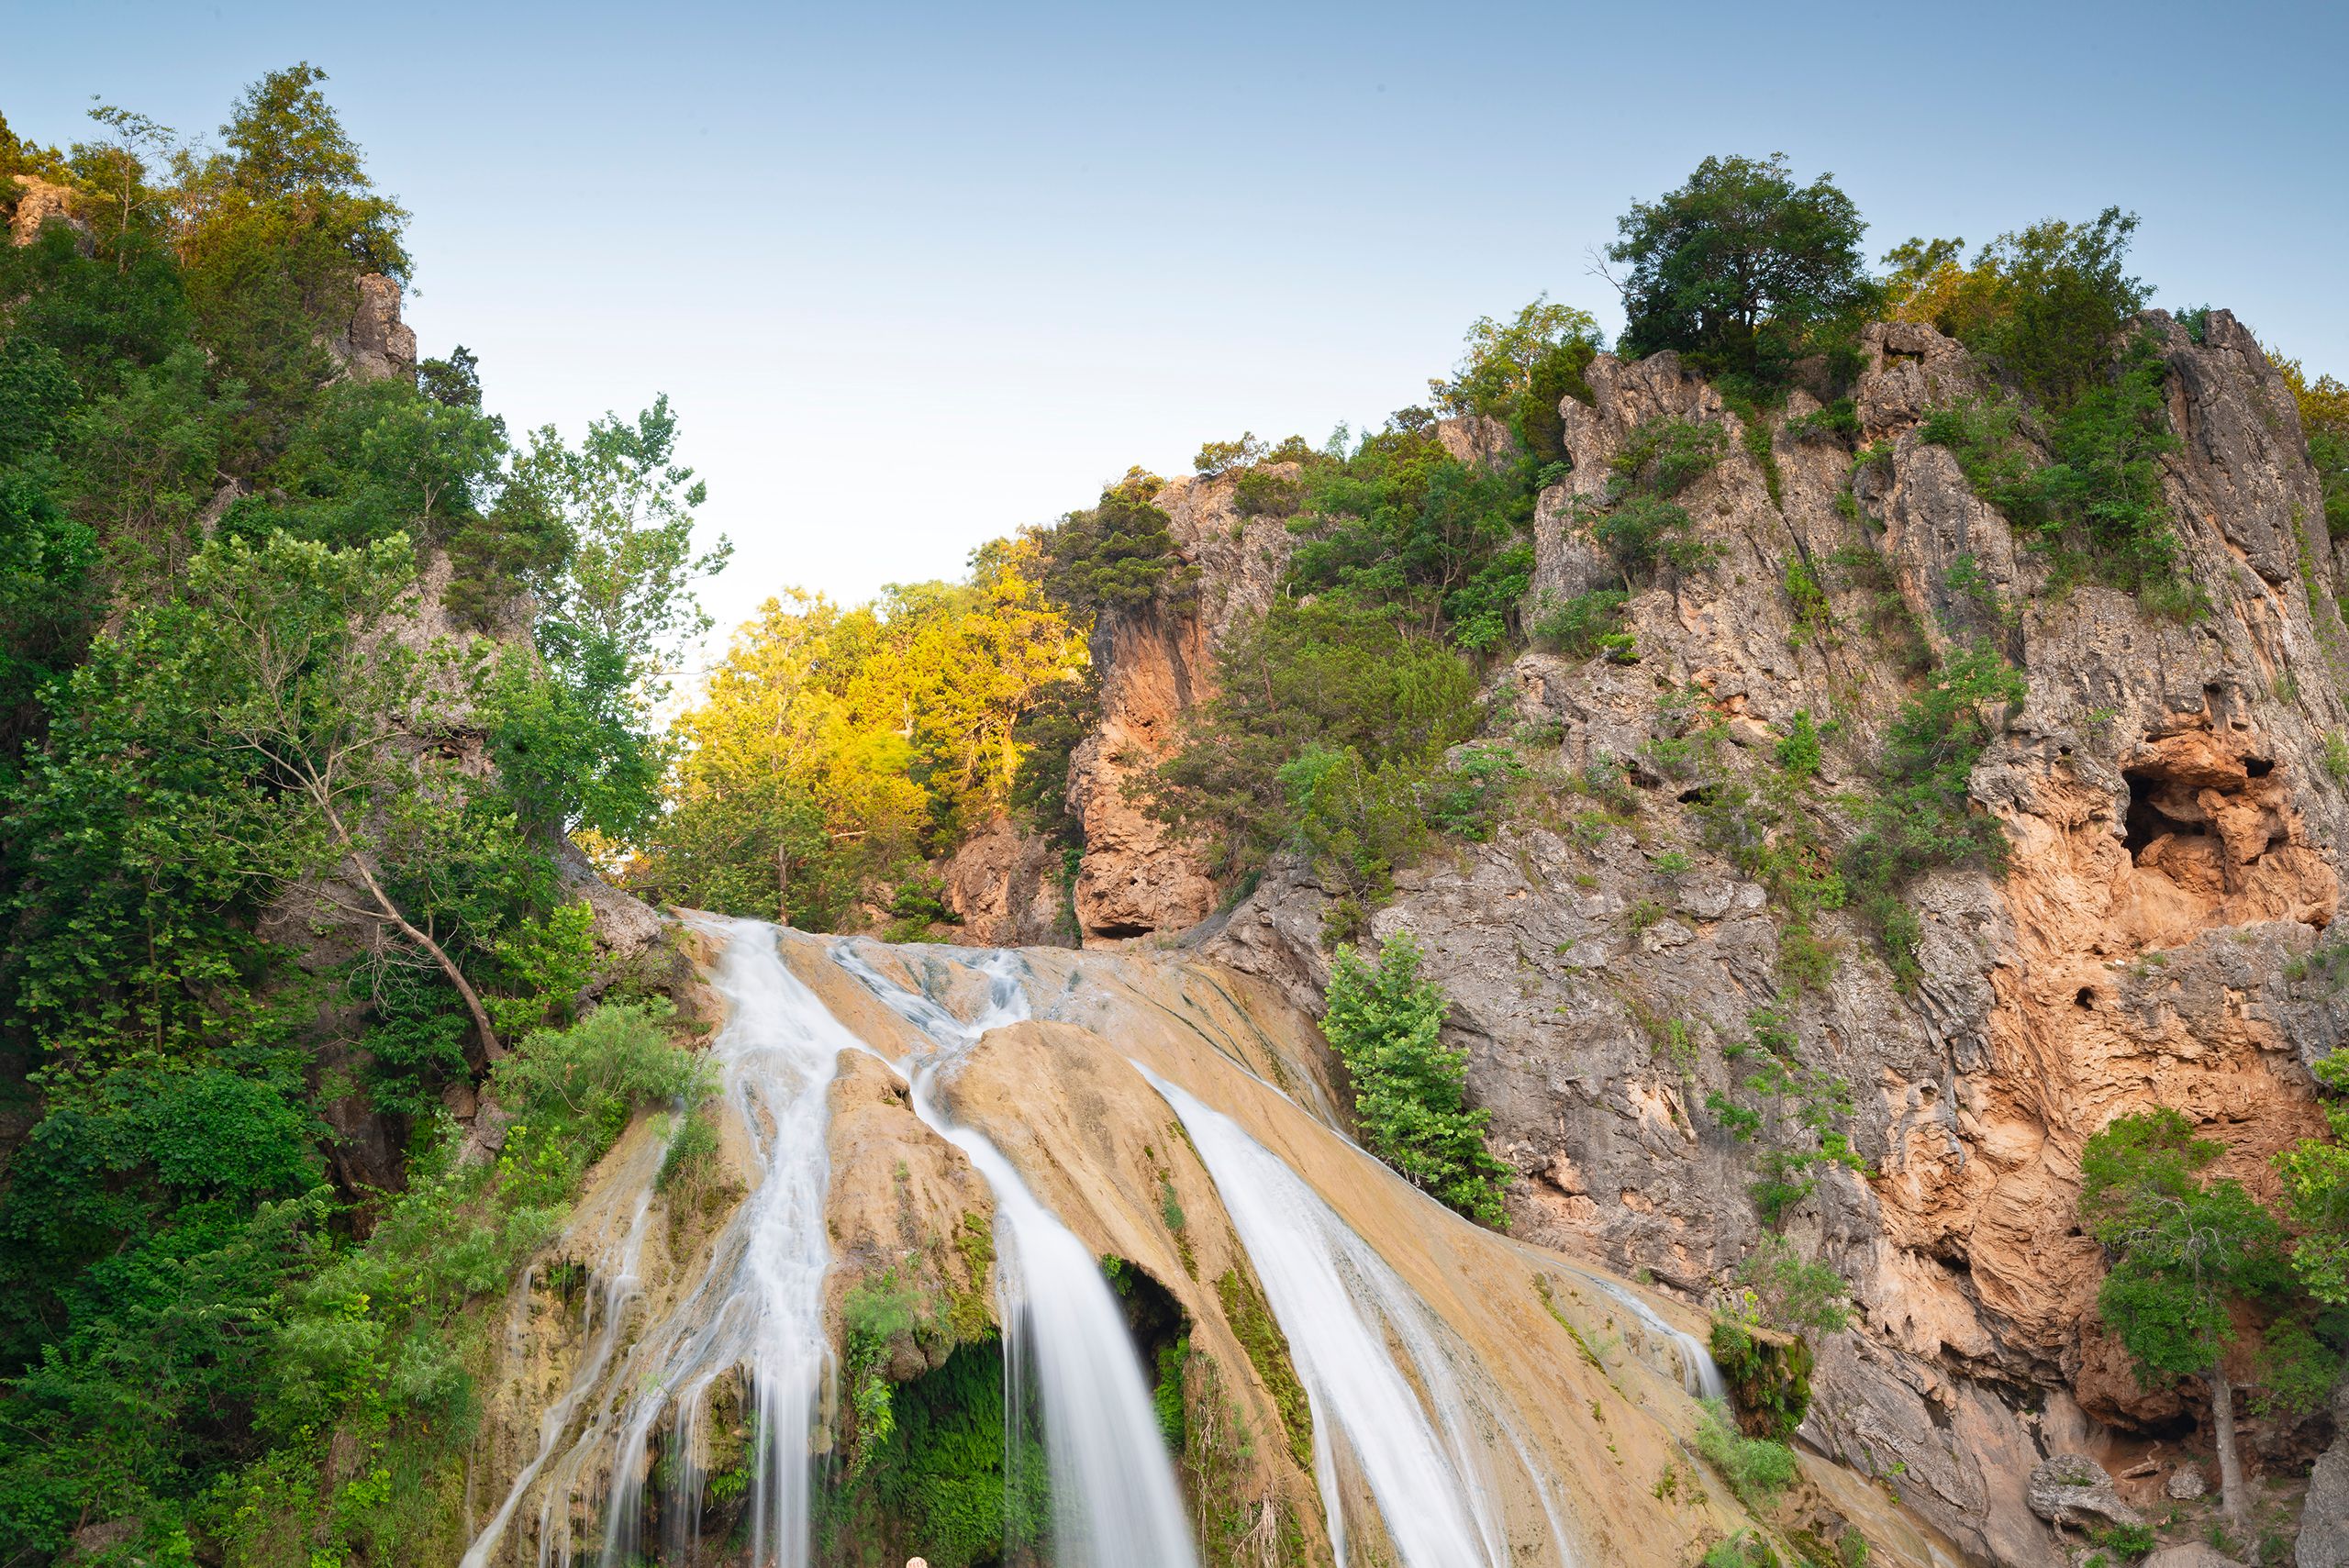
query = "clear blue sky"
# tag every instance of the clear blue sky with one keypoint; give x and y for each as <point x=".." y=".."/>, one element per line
<point x="915" y="275"/>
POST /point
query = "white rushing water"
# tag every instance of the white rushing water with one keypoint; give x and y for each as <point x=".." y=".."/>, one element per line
<point x="1700" y="1376"/>
<point x="1345" y="1312"/>
<point x="757" y="1310"/>
<point x="1115" y="1501"/>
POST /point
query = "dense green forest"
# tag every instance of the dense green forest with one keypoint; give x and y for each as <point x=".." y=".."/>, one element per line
<point x="275" y="865"/>
<point x="305" y="678"/>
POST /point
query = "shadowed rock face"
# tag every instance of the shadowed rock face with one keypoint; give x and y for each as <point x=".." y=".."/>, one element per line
<point x="2174" y="841"/>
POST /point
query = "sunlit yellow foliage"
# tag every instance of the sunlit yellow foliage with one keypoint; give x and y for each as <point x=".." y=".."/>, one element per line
<point x="835" y="748"/>
<point x="2324" y="402"/>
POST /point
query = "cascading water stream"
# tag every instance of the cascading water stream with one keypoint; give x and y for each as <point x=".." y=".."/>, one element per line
<point x="1115" y="1501"/>
<point x="1700" y="1376"/>
<point x="1341" y="1307"/>
<point x="757" y="1308"/>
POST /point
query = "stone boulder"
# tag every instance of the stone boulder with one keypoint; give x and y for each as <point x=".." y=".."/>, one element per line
<point x="376" y="346"/>
<point x="2189" y="1554"/>
<point x="2324" y="1516"/>
<point x="40" y="202"/>
<point x="2072" y="1489"/>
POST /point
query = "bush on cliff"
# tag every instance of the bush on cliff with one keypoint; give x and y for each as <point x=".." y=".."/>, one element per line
<point x="1117" y="554"/>
<point x="1922" y="816"/>
<point x="1386" y="1024"/>
<point x="1327" y="734"/>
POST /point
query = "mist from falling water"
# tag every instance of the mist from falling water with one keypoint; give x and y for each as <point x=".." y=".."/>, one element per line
<point x="1115" y="1501"/>
<point x="757" y="1308"/>
<point x="1345" y="1312"/>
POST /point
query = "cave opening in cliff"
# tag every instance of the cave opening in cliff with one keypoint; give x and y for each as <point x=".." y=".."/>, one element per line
<point x="2146" y="821"/>
<point x="1121" y="933"/>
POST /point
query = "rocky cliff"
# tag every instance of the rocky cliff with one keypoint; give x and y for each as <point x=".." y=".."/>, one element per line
<point x="2175" y="848"/>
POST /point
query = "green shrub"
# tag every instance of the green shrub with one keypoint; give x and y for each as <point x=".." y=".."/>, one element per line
<point x="1634" y="519"/>
<point x="1327" y="732"/>
<point x="1922" y="816"/>
<point x="1756" y="1469"/>
<point x="1746" y="1549"/>
<point x="1768" y="1376"/>
<point x="690" y="1152"/>
<point x="1837" y="421"/>
<point x="1386" y="1025"/>
<point x="1355" y="822"/>
<point x="2336" y="756"/>
<point x="1798" y="750"/>
<point x="1469" y="794"/>
<point x="1259" y="493"/>
<point x="2130" y="1542"/>
<point x="1585" y="624"/>
<point x="1119" y="554"/>
<point x="1814" y="617"/>
<point x="2097" y="511"/>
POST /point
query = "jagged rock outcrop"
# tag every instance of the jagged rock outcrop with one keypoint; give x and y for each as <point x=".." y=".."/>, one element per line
<point x="376" y="345"/>
<point x="1004" y="888"/>
<point x="2324" y="1513"/>
<point x="2072" y="1489"/>
<point x="39" y="202"/>
<point x="2174" y="837"/>
<point x="1156" y="662"/>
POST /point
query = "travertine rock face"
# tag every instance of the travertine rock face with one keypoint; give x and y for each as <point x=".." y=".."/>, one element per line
<point x="1003" y="886"/>
<point x="1156" y="662"/>
<point x="2174" y="841"/>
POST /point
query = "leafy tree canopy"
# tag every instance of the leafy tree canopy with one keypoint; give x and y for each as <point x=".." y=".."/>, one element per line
<point x="1741" y="268"/>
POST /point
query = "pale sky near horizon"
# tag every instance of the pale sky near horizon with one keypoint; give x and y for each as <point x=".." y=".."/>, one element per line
<point x="915" y="276"/>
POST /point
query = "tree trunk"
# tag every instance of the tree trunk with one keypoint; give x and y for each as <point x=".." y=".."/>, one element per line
<point x="490" y="1047"/>
<point x="782" y="885"/>
<point x="2222" y="1425"/>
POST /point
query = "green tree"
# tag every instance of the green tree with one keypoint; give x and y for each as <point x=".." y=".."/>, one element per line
<point x="118" y="169"/>
<point x="1376" y="704"/>
<point x="1741" y="268"/>
<point x="1119" y="553"/>
<point x="2045" y="306"/>
<point x="2315" y="1171"/>
<point x="1385" y="1023"/>
<point x="287" y="149"/>
<point x="2324" y="422"/>
<point x="1504" y="358"/>
<point x="2180" y="1248"/>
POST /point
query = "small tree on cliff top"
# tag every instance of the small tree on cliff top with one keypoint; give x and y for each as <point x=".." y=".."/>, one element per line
<point x="2182" y="1248"/>
<point x="1740" y="267"/>
<point x="1386" y="1024"/>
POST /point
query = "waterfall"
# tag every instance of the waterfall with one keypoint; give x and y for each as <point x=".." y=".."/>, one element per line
<point x="1341" y="1307"/>
<point x="1700" y="1376"/>
<point x="757" y="1308"/>
<point x="1115" y="1501"/>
